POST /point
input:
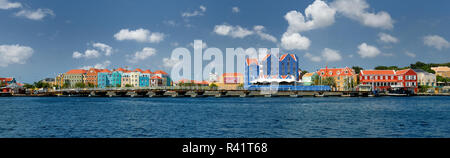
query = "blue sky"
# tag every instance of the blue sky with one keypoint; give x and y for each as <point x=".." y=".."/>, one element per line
<point x="38" y="39"/>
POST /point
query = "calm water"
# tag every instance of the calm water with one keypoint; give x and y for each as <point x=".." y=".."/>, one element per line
<point x="225" y="117"/>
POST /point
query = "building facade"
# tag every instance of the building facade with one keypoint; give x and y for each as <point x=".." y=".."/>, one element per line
<point x="91" y="76"/>
<point x="230" y="81"/>
<point x="74" y="76"/>
<point x="443" y="71"/>
<point x="425" y="78"/>
<point x="144" y="78"/>
<point x="308" y="78"/>
<point x="385" y="80"/>
<point x="166" y="81"/>
<point x="251" y="70"/>
<point x="345" y="78"/>
<point x="288" y="66"/>
<point x="104" y="78"/>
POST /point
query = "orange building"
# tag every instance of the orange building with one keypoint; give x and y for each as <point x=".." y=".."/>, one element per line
<point x="92" y="76"/>
<point x="345" y="77"/>
<point x="230" y="81"/>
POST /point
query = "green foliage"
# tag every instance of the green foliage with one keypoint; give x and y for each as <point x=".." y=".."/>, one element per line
<point x="427" y="67"/>
<point x="329" y="81"/>
<point x="424" y="88"/>
<point x="213" y="85"/>
<point x="128" y="85"/>
<point x="41" y="84"/>
<point x="2" y="84"/>
<point x="390" y="68"/>
<point x="66" y="85"/>
<point x="90" y="85"/>
<point x="442" y="79"/>
<point x="241" y="85"/>
<point x="316" y="80"/>
<point x="28" y="86"/>
<point x="80" y="85"/>
<point x="357" y="69"/>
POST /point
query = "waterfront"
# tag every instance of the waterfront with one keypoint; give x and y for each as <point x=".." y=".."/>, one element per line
<point x="225" y="117"/>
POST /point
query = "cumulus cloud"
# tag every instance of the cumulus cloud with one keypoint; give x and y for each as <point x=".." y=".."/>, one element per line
<point x="5" y="4"/>
<point x="14" y="54"/>
<point x="327" y="54"/>
<point x="312" y="57"/>
<point x="331" y="55"/>
<point x="139" y="35"/>
<point x="204" y="45"/>
<point x="38" y="14"/>
<point x="386" y="38"/>
<point x="235" y="10"/>
<point x="200" y="12"/>
<point x="291" y="41"/>
<point x="436" y="41"/>
<point x="358" y="10"/>
<point x="94" y="53"/>
<point x="89" y="54"/>
<point x="259" y="30"/>
<point x="233" y="31"/>
<point x="141" y="55"/>
<point x="317" y="15"/>
<point x="167" y="62"/>
<point x="104" y="47"/>
<point x="368" y="51"/>
<point x="103" y="65"/>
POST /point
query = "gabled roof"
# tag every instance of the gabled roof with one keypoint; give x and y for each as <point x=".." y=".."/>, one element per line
<point x="7" y="79"/>
<point x="232" y="74"/>
<point x="160" y="72"/>
<point x="76" y="71"/>
<point x="401" y="72"/>
<point x="147" y="72"/>
<point x="286" y="55"/>
<point x="308" y="74"/>
<point x="155" y="77"/>
<point x="251" y="61"/>
<point x="138" y="70"/>
<point x="105" y="71"/>
<point x="120" y="69"/>
<point x="377" y="72"/>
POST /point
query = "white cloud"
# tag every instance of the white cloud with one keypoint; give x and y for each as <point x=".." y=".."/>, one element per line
<point x="5" y="4"/>
<point x="170" y="62"/>
<point x="233" y="31"/>
<point x="141" y="55"/>
<point x="38" y="14"/>
<point x="89" y="54"/>
<point x="331" y="55"/>
<point x="259" y="31"/>
<point x="386" y="38"/>
<point x="368" y="51"/>
<point x="14" y="54"/>
<point x="139" y="35"/>
<point x="103" y="65"/>
<point x="104" y="47"/>
<point x="358" y="10"/>
<point x="235" y="10"/>
<point x="312" y="57"/>
<point x="412" y="55"/>
<point x="327" y="54"/>
<point x="195" y="13"/>
<point x="295" y="41"/>
<point x="317" y="15"/>
<point x="436" y="41"/>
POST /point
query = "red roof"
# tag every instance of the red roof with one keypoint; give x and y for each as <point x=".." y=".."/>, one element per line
<point x="76" y="71"/>
<point x="400" y="72"/>
<point x="377" y="72"/>
<point x="138" y="70"/>
<point x="251" y="61"/>
<point x="105" y="70"/>
<point x="6" y="79"/>
<point x="120" y="69"/>
<point x="232" y="74"/>
<point x="156" y="77"/>
<point x="335" y="71"/>
<point x="147" y="72"/>
<point x="160" y="72"/>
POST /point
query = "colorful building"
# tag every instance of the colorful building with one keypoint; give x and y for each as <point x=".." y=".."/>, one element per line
<point x="345" y="78"/>
<point x="116" y="77"/>
<point x="104" y="78"/>
<point x="385" y="80"/>
<point x="134" y="77"/>
<point x="74" y="76"/>
<point x="91" y="77"/>
<point x="144" y="78"/>
<point x="166" y="81"/>
<point x="251" y="70"/>
<point x="308" y="78"/>
<point x="8" y="81"/>
<point x="289" y="67"/>
<point x="443" y="71"/>
<point x="59" y="80"/>
<point x="126" y="78"/>
<point x="425" y="78"/>
<point x="230" y="81"/>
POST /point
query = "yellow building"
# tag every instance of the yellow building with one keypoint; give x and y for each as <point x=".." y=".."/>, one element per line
<point x="230" y="81"/>
<point x="443" y="71"/>
<point x="59" y="80"/>
<point x="345" y="78"/>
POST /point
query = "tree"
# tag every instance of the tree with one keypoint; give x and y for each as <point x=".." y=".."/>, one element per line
<point x="66" y="85"/>
<point x="213" y="86"/>
<point x="2" y="84"/>
<point x="128" y="85"/>
<point x="28" y="86"/>
<point x="330" y="81"/>
<point x="80" y="85"/>
<point x="442" y="79"/>
<point x="316" y="80"/>
<point x="90" y="85"/>
<point x="357" y="69"/>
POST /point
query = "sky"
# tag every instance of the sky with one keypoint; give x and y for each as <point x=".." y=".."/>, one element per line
<point x="39" y="39"/>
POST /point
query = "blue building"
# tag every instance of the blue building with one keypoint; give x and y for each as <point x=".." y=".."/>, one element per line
<point x="116" y="77"/>
<point x="104" y="78"/>
<point x="144" y="78"/>
<point x="288" y="67"/>
<point x="251" y="71"/>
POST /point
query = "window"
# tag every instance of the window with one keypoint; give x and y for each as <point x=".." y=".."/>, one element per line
<point x="322" y="73"/>
<point x="331" y="73"/>
<point x="338" y="73"/>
